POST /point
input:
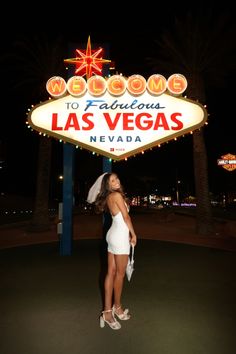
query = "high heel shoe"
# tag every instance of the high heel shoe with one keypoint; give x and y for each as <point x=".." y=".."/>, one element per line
<point x="124" y="316"/>
<point x="114" y="324"/>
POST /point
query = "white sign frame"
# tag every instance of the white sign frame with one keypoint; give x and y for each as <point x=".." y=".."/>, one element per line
<point x="117" y="127"/>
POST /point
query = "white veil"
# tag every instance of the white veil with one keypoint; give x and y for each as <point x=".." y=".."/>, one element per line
<point x="95" y="189"/>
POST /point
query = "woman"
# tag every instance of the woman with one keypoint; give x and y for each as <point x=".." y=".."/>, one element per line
<point x="119" y="237"/>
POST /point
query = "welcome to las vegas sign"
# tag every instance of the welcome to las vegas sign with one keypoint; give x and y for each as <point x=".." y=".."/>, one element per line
<point x="117" y="117"/>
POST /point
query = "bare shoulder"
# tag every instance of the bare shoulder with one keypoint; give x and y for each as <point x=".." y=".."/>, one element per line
<point x="115" y="196"/>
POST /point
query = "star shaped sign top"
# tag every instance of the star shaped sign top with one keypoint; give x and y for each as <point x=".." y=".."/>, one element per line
<point x="88" y="61"/>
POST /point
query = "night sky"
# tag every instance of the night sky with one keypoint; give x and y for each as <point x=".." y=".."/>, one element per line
<point x="131" y="37"/>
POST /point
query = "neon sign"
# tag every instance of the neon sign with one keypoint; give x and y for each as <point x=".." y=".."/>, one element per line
<point x="117" y="126"/>
<point x="228" y="162"/>
<point x="116" y="85"/>
<point x="88" y="61"/>
<point x="116" y="117"/>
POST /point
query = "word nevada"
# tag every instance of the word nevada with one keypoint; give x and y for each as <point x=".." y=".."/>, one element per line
<point x="120" y="127"/>
<point x="116" y="85"/>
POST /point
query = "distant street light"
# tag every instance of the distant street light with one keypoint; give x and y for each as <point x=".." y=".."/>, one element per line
<point x="177" y="192"/>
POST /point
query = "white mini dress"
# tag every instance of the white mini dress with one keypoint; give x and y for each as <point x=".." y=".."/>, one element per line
<point x="117" y="237"/>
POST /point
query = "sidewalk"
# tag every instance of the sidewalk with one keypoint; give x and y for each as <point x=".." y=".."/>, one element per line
<point x="181" y="299"/>
<point x="173" y="228"/>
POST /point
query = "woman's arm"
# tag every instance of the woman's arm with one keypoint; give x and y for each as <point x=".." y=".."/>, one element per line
<point x="120" y="202"/>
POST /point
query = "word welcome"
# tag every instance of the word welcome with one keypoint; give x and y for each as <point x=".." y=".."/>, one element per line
<point x="116" y="85"/>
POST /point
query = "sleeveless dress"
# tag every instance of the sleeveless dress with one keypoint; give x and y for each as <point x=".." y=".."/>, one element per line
<point x="118" y="236"/>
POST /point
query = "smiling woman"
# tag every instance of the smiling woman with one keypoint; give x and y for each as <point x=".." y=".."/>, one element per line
<point x="119" y="237"/>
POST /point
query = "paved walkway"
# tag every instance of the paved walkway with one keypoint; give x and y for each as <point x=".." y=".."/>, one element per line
<point x="181" y="297"/>
<point x="154" y="226"/>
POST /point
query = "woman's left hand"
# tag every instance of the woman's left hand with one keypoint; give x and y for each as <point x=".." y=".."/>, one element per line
<point x="133" y="240"/>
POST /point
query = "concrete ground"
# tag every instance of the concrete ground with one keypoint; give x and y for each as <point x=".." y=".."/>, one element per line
<point x="181" y="295"/>
<point x="181" y="299"/>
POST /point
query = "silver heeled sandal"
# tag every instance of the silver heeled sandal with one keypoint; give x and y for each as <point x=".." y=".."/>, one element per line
<point x="124" y="316"/>
<point x="113" y="325"/>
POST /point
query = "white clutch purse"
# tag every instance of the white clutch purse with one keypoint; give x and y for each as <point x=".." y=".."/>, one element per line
<point x="130" y="265"/>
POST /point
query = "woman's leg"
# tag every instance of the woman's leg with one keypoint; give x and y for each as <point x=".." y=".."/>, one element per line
<point x="108" y="285"/>
<point x="121" y="263"/>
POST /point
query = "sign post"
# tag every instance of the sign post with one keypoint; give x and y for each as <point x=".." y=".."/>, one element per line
<point x="68" y="197"/>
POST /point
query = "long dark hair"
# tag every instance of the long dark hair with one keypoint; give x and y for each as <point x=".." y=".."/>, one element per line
<point x="101" y="200"/>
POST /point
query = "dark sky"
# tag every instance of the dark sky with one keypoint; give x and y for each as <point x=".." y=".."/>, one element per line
<point x="130" y="36"/>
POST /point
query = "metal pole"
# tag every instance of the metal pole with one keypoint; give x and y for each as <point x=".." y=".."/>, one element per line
<point x="68" y="196"/>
